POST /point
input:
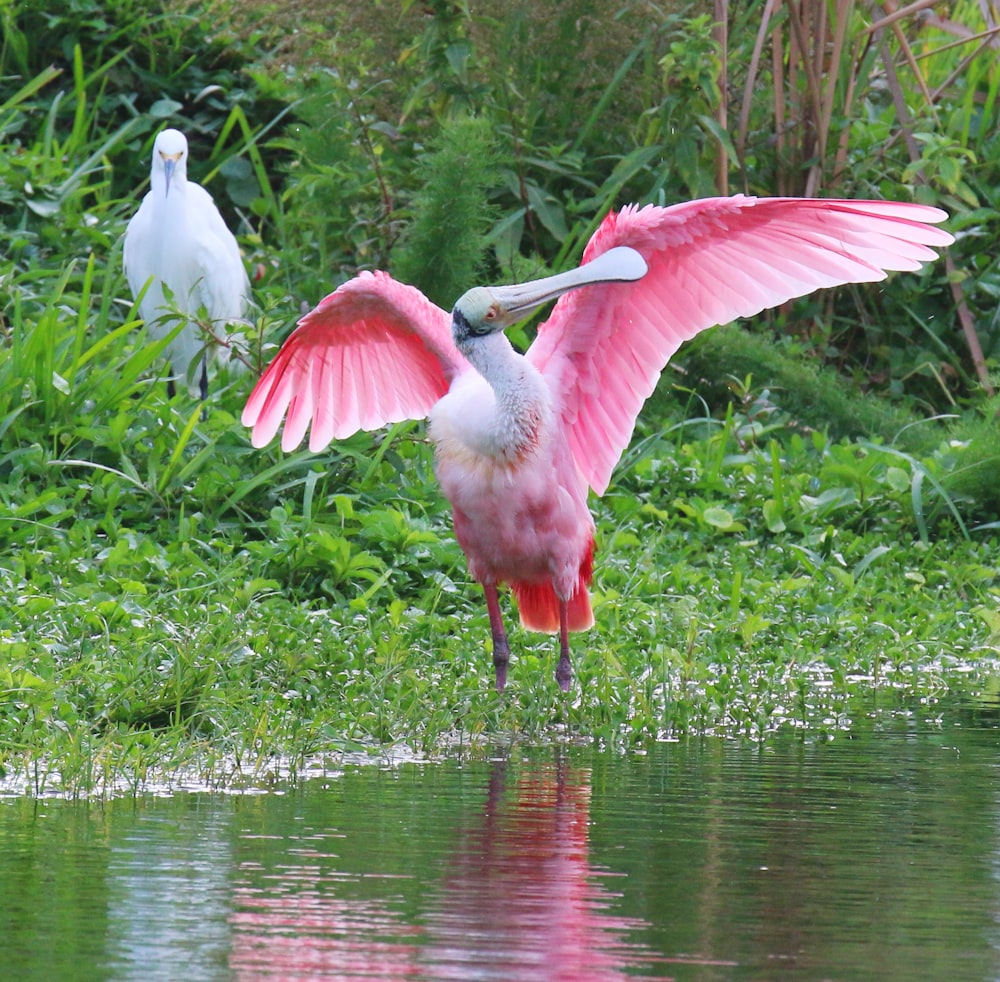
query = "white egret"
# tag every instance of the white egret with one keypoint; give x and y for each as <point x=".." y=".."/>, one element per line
<point x="178" y="240"/>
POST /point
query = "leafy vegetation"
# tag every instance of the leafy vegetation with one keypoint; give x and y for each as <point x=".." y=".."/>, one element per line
<point x="795" y="526"/>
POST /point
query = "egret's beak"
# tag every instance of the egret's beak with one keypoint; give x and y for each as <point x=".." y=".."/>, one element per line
<point x="618" y="265"/>
<point x="169" y="165"/>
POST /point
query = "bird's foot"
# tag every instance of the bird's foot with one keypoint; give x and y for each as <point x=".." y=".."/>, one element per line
<point x="564" y="672"/>
<point x="501" y="647"/>
<point x="501" y="657"/>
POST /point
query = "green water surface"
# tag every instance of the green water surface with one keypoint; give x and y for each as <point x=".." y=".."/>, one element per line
<point x="871" y="856"/>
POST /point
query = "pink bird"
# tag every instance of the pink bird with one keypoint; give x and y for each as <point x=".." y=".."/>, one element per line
<point x="519" y="439"/>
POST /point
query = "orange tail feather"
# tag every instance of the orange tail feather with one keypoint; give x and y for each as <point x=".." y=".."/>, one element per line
<point x="538" y="604"/>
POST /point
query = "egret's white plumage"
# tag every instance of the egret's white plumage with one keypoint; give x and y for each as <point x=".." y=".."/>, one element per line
<point x="177" y="238"/>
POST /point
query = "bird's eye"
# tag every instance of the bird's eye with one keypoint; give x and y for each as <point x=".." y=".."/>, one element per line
<point x="491" y="314"/>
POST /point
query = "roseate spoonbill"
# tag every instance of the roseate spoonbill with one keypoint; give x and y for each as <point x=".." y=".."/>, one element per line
<point x="178" y="240"/>
<point x="520" y="438"/>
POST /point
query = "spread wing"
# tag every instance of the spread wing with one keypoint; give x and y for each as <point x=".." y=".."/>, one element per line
<point x="373" y="352"/>
<point x="710" y="261"/>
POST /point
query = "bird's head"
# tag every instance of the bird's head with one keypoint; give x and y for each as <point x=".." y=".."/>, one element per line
<point x="170" y="151"/>
<point x="478" y="313"/>
<point x="485" y="310"/>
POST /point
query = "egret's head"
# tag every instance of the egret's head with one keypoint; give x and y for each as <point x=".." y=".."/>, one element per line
<point x="485" y="310"/>
<point x="170" y="157"/>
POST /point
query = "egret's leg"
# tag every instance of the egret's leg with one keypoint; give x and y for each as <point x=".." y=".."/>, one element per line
<point x="171" y="388"/>
<point x="501" y="649"/>
<point x="564" y="671"/>
<point x="203" y="383"/>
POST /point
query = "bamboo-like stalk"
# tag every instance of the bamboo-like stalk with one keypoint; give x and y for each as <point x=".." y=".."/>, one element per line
<point x="918" y="76"/>
<point x="990" y="37"/>
<point x="721" y="33"/>
<point x="820" y="53"/>
<point x="748" y="91"/>
<point x="968" y="325"/>
<point x="780" y="108"/>
<point x="863" y="43"/>
<point x="913" y="149"/>
<point x="901" y="14"/>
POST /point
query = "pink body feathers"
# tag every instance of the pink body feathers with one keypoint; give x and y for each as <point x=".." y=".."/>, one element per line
<point x="520" y="504"/>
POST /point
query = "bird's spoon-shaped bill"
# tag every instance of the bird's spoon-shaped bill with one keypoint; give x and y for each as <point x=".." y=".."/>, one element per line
<point x="619" y="265"/>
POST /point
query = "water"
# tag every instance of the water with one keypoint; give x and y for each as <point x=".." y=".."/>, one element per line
<point x="873" y="856"/>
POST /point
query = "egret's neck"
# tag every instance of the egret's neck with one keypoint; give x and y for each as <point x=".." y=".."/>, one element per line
<point x="522" y="397"/>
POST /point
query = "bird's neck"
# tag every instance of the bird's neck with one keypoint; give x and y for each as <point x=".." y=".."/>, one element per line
<point x="522" y="398"/>
<point x="178" y="185"/>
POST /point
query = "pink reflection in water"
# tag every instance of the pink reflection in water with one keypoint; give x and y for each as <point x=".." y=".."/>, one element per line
<point x="520" y="899"/>
<point x="304" y="930"/>
<point x="517" y="901"/>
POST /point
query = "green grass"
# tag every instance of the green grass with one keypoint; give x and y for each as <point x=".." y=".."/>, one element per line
<point x="745" y="583"/>
<point x="181" y="606"/>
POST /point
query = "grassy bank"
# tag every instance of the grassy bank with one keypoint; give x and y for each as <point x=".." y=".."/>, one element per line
<point x="240" y="611"/>
<point x="788" y="542"/>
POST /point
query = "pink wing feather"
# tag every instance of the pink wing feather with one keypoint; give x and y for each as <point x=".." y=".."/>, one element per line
<point x="710" y="261"/>
<point x="373" y="352"/>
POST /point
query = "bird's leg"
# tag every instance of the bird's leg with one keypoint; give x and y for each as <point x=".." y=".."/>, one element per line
<point x="203" y="382"/>
<point x="564" y="671"/>
<point x="501" y="649"/>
